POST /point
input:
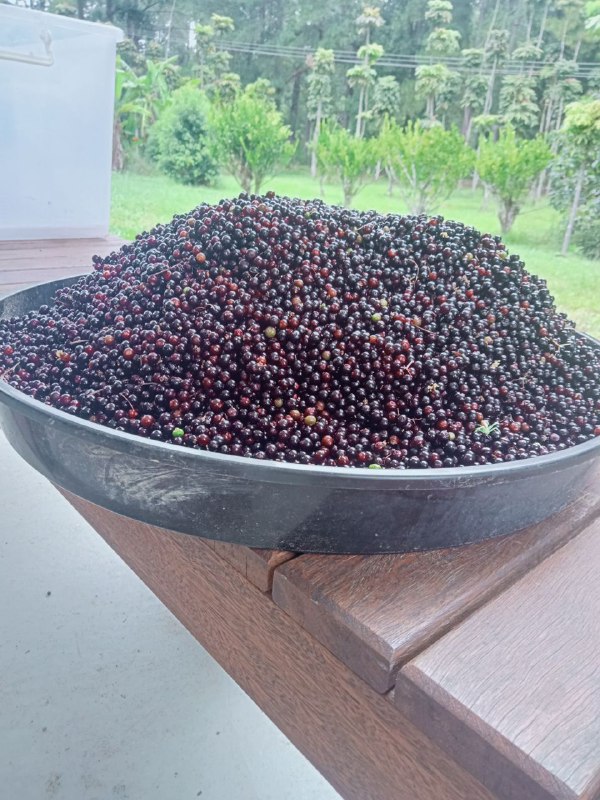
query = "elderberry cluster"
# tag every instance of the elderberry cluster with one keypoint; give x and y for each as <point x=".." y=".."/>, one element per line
<point x="290" y="330"/>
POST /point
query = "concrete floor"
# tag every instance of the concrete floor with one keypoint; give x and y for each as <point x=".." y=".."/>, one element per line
<point x="103" y="694"/>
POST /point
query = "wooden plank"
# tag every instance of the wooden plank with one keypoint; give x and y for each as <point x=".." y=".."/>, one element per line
<point x="28" y="276"/>
<point x="44" y="245"/>
<point x="360" y="742"/>
<point x="33" y="249"/>
<point x="514" y="692"/>
<point x="19" y="259"/>
<point x="257" y="566"/>
<point x="376" y="612"/>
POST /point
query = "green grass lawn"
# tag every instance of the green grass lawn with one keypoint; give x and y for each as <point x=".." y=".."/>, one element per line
<point x="141" y="201"/>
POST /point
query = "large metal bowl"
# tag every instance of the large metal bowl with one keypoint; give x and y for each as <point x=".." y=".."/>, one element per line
<point x="278" y="505"/>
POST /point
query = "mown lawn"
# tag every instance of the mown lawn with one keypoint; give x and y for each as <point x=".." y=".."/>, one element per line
<point x="141" y="201"/>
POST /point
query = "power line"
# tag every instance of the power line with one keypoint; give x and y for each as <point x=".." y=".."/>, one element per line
<point x="583" y="69"/>
<point x="405" y="61"/>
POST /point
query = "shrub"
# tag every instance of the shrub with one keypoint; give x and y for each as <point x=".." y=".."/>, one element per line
<point x="249" y="138"/>
<point x="587" y="232"/>
<point x="179" y="139"/>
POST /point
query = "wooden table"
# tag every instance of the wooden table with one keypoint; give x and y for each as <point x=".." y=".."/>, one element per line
<point x="34" y="261"/>
<point x="465" y="674"/>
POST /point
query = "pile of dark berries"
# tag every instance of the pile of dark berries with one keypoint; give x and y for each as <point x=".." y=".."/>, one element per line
<point x="289" y="330"/>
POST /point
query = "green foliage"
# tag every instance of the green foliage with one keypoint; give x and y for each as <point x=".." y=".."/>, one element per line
<point x="587" y="232"/>
<point x="129" y="54"/>
<point x="577" y="146"/>
<point x="427" y="162"/>
<point x="369" y="19"/>
<point x="249" y="138"/>
<point x="386" y="99"/>
<point x="140" y="97"/>
<point x="213" y="63"/>
<point x="509" y="166"/>
<point x="473" y="93"/>
<point x="497" y="44"/>
<point x="370" y="53"/>
<point x="345" y="158"/>
<point x="361" y="76"/>
<point x="518" y="102"/>
<point x="439" y="12"/>
<point x="179" y="139"/>
<point x="319" y="98"/>
<point x="443" y="42"/>
<point x="575" y="173"/>
<point x="528" y="51"/>
<point x="582" y="124"/>
<point x="432" y="82"/>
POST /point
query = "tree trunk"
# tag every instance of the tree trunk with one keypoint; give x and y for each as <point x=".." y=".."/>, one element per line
<point x="245" y="178"/>
<point x="507" y="215"/>
<point x="563" y="38"/>
<point x="492" y="25"/>
<point x="573" y="212"/>
<point x="348" y="194"/>
<point x="539" y="187"/>
<point x="315" y="142"/>
<point x="118" y="160"/>
<point x="486" y="197"/>
<point x="80" y="9"/>
<point x="540" y="38"/>
<point x="467" y="123"/>
<point x="295" y="100"/>
<point x="489" y="97"/>
<point x="357" y="131"/>
<point x="430" y="110"/>
<point x="391" y="178"/>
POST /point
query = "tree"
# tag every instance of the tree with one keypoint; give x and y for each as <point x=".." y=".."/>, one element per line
<point x="575" y="175"/>
<point x="363" y="75"/>
<point x="249" y="138"/>
<point x="518" y="102"/>
<point x="473" y="90"/>
<point x="435" y="83"/>
<point x="509" y="166"/>
<point x="432" y="81"/>
<point x="346" y="158"/>
<point x="213" y="62"/>
<point x="319" y="98"/>
<point x="495" y="52"/>
<point x="560" y="88"/>
<point x="139" y="101"/>
<point x="427" y="162"/>
<point x="179" y="138"/>
<point x="386" y="99"/>
<point x="442" y="41"/>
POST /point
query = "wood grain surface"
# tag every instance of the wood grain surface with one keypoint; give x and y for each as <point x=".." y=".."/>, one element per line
<point x="257" y="566"/>
<point x="513" y="693"/>
<point x="376" y="612"/>
<point x="356" y="737"/>
<point x="26" y="262"/>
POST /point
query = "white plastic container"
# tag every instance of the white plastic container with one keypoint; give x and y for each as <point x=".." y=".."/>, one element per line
<point x="57" y="79"/>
